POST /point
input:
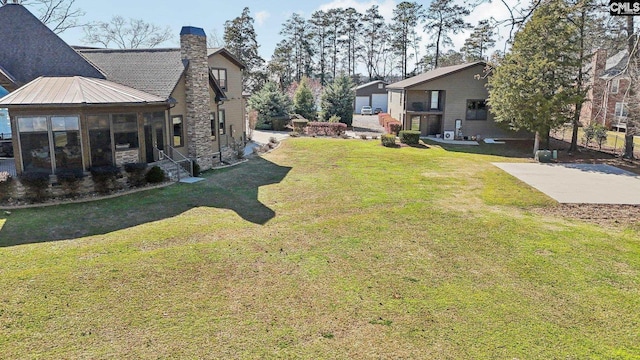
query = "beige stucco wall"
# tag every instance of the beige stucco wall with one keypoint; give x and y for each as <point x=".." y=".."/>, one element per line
<point x="234" y="107"/>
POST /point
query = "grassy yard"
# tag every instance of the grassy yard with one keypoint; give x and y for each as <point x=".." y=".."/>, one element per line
<point x="323" y="249"/>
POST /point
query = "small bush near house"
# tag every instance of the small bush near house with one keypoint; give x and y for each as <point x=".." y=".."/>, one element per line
<point x="238" y="148"/>
<point x="36" y="185"/>
<point x="299" y="125"/>
<point x="104" y="178"/>
<point x="409" y="137"/>
<point x="155" y="175"/>
<point x="326" y="129"/>
<point x="388" y="140"/>
<point x="136" y="174"/>
<point x="363" y="137"/>
<point x="334" y="119"/>
<point x="70" y="180"/>
<point x="6" y="182"/>
<point x="394" y="128"/>
<point x="595" y="132"/>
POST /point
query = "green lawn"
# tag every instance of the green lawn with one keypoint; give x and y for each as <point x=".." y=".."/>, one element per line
<point x="322" y="249"/>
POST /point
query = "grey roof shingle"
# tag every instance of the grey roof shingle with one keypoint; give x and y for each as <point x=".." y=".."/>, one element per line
<point x="28" y="49"/>
<point x="432" y="75"/>
<point x="155" y="71"/>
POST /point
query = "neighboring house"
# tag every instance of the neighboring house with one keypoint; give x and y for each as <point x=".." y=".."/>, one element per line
<point x="372" y="94"/>
<point x="88" y="107"/>
<point x="608" y="91"/>
<point x="449" y="101"/>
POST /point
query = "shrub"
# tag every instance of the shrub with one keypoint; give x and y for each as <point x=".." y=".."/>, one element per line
<point x="5" y="185"/>
<point x="104" y="178"/>
<point x="273" y="140"/>
<point x="238" y="149"/>
<point x="363" y="136"/>
<point x="334" y="119"/>
<point x="70" y="180"/>
<point x="337" y="99"/>
<point x="156" y="175"/>
<point x="410" y="137"/>
<point x="299" y="125"/>
<point x="595" y="132"/>
<point x="136" y="174"/>
<point x="395" y="127"/>
<point x="388" y="140"/>
<point x="326" y="129"/>
<point x="36" y="185"/>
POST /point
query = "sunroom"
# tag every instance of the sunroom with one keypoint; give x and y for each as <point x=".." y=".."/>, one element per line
<point x="76" y="123"/>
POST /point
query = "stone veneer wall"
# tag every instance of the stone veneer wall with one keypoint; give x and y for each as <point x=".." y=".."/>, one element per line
<point x="193" y="45"/>
<point x="126" y="156"/>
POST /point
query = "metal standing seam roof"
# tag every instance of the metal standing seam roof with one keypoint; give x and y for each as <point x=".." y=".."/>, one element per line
<point x="77" y="90"/>
<point x="432" y="75"/>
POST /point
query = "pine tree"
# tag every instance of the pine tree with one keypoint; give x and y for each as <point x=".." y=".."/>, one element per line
<point x="373" y="39"/>
<point x="444" y="18"/>
<point x="406" y="16"/>
<point x="303" y="101"/>
<point x="320" y="30"/>
<point x="299" y="37"/>
<point x="479" y="41"/>
<point x="533" y="86"/>
<point x="337" y="99"/>
<point x="240" y="40"/>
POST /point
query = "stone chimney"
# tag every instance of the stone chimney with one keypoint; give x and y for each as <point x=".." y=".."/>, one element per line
<point x="193" y="49"/>
<point x="598" y="87"/>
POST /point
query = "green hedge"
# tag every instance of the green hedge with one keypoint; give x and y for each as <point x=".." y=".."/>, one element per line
<point x="388" y="140"/>
<point x="409" y="137"/>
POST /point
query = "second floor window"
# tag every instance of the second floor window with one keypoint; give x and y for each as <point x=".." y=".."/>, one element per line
<point x="434" y="104"/>
<point x="615" y="85"/>
<point x="221" y="76"/>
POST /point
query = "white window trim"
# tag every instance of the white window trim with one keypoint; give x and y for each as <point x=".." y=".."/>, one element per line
<point x="616" y="87"/>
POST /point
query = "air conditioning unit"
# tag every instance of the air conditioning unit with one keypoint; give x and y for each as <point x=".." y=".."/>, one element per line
<point x="449" y="135"/>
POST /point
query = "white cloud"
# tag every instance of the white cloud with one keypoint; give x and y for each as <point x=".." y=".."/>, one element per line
<point x="261" y="17"/>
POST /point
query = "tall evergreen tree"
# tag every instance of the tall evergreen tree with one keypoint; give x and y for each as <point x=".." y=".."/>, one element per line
<point x="335" y="24"/>
<point x="337" y="99"/>
<point x="320" y="30"/>
<point x="350" y="33"/>
<point x="269" y="102"/>
<point x="533" y="87"/>
<point x="444" y="17"/>
<point x="373" y="39"/>
<point x="299" y="36"/>
<point x="479" y="41"/>
<point x="281" y="65"/>
<point x="240" y="40"/>
<point x="406" y="17"/>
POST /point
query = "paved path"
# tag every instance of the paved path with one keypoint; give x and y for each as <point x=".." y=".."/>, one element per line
<point x="579" y="183"/>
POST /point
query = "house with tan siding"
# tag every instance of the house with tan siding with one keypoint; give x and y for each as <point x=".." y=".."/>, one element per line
<point x="129" y="106"/>
<point x="450" y="102"/>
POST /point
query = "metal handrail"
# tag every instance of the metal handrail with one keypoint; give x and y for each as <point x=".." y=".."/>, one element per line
<point x="184" y="158"/>
<point x="163" y="155"/>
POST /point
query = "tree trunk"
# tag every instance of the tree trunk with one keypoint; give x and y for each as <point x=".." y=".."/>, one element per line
<point x="628" y="135"/>
<point x="536" y="143"/>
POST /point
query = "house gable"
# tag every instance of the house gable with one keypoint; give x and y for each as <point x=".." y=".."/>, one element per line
<point x="30" y="49"/>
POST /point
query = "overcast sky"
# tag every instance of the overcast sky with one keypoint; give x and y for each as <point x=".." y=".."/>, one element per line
<point x="269" y="15"/>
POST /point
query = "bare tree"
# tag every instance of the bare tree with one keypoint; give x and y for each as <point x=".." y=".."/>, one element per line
<point x="126" y="34"/>
<point x="58" y="15"/>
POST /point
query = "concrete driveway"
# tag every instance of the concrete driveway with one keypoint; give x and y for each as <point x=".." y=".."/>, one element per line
<point x="579" y="183"/>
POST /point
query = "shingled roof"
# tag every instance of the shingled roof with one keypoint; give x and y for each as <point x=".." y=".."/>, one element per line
<point x="155" y="71"/>
<point x="432" y="75"/>
<point x="29" y="49"/>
